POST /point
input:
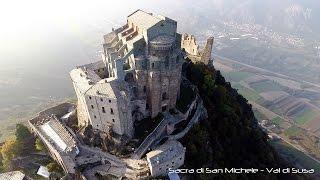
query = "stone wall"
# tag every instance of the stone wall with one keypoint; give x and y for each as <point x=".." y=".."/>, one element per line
<point x="189" y="44"/>
<point x="206" y="54"/>
<point x="169" y="155"/>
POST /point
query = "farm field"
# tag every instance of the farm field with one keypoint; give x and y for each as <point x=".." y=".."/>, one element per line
<point x="292" y="131"/>
<point x="248" y="93"/>
<point x="237" y="76"/>
<point x="288" y="103"/>
<point x="290" y="108"/>
<point x="277" y="120"/>
<point x="305" y="117"/>
<point x="294" y="155"/>
<point x="265" y="86"/>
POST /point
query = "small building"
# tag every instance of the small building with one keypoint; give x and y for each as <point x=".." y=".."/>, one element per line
<point x="169" y="155"/>
<point x="43" y="171"/>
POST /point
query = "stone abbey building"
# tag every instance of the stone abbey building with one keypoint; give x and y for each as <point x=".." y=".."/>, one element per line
<point x="138" y="76"/>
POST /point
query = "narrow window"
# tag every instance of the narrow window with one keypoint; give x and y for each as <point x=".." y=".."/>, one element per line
<point x="92" y="106"/>
<point x="111" y="111"/>
<point x="147" y="106"/>
<point x="103" y="110"/>
<point x="164" y="108"/>
<point x="101" y="99"/>
<point x="112" y="120"/>
<point x="144" y="89"/>
<point x="95" y="116"/>
<point x="89" y="97"/>
<point x="164" y="96"/>
<point x="152" y="65"/>
<point x="109" y="101"/>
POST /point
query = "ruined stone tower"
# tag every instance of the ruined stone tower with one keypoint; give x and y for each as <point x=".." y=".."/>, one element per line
<point x="190" y="46"/>
<point x="206" y="54"/>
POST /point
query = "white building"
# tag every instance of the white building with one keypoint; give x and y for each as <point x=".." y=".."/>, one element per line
<point x="60" y="143"/>
<point x="169" y="155"/>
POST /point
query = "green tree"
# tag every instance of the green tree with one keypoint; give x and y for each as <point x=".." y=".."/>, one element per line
<point x="54" y="167"/>
<point x="1" y="164"/>
<point x="22" y="132"/>
<point x="221" y="94"/>
<point x="208" y="84"/>
<point x="39" y="145"/>
<point x="9" y="150"/>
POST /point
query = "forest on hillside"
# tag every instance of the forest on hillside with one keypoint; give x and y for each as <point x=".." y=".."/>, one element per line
<point x="230" y="137"/>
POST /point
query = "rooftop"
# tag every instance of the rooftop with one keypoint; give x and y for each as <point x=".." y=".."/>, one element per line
<point x="143" y="19"/>
<point x="102" y="88"/>
<point x="84" y="79"/>
<point x="165" y="152"/>
<point x="56" y="134"/>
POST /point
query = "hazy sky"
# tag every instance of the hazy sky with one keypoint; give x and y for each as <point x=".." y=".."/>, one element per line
<point x="27" y="27"/>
